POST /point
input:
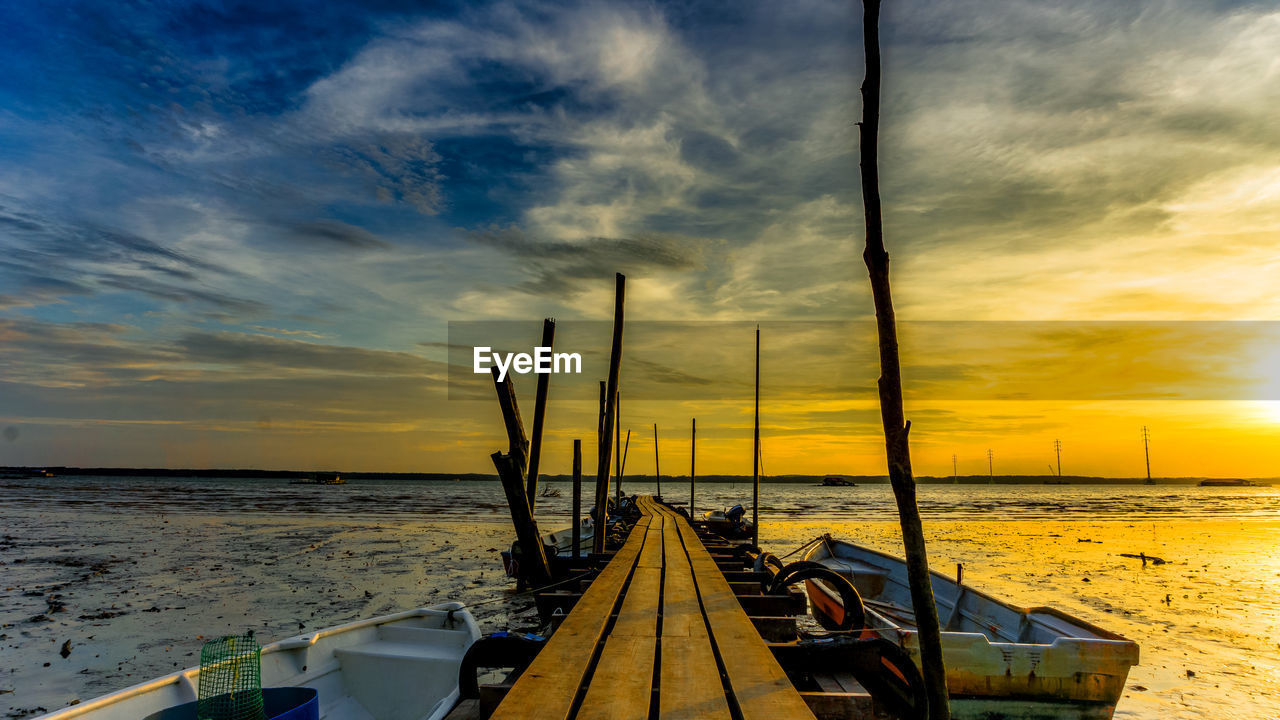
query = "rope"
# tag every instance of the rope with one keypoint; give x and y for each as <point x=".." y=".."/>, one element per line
<point x="805" y="546"/>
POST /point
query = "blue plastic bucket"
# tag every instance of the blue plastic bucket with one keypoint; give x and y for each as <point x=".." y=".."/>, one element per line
<point x="287" y="703"/>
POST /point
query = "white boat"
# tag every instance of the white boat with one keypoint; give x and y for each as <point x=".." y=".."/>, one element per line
<point x="1002" y="661"/>
<point x="561" y="541"/>
<point x="395" y="667"/>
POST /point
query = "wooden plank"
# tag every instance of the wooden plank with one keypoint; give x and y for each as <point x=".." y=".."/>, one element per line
<point x="622" y="685"/>
<point x="689" y="681"/>
<point x="548" y="686"/>
<point x="758" y="682"/>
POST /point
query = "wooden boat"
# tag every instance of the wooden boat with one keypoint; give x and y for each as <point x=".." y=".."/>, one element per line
<point x="561" y="540"/>
<point x="395" y="667"/>
<point x="1002" y="661"/>
<point x="837" y="481"/>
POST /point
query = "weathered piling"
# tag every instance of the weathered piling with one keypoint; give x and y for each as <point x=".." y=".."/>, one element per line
<point x="611" y="398"/>
<point x="533" y="564"/>
<point x="755" y="456"/>
<point x="896" y="428"/>
<point x="539" y="412"/>
<point x="657" y="469"/>
<point x="693" y="476"/>
<point x="617" y="445"/>
<point x="577" y="497"/>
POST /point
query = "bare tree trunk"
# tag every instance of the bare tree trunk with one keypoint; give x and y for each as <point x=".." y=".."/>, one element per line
<point x="890" y="384"/>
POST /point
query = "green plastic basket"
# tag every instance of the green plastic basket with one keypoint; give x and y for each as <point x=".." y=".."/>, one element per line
<point x="230" y="679"/>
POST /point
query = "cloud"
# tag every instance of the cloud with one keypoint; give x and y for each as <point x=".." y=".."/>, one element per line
<point x="336" y="233"/>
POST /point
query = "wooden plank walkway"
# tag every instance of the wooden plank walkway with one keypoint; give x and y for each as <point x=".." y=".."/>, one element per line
<point x="680" y="645"/>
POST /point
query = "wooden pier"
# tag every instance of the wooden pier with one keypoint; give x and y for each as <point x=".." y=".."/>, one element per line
<point x="659" y="633"/>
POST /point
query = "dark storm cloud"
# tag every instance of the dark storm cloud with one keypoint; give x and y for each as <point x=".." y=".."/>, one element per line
<point x="566" y="267"/>
<point x="334" y="232"/>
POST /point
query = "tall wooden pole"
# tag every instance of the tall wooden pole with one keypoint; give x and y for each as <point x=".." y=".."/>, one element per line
<point x="657" y="470"/>
<point x="896" y="428"/>
<point x="755" y="456"/>
<point x="693" y="477"/>
<point x="626" y="445"/>
<point x="577" y="497"/>
<point x="601" y="515"/>
<point x="511" y="467"/>
<point x="617" y="445"/>
<point x="611" y="398"/>
<point x="539" y="412"/>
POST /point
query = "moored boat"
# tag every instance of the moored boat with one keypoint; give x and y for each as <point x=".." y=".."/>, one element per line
<point x="731" y="523"/>
<point x="394" y="667"/>
<point x="561" y="541"/>
<point x="1002" y="661"/>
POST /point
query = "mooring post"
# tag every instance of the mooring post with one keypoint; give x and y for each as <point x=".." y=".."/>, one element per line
<point x="539" y="412"/>
<point x="577" y="497"/>
<point x="755" y="457"/>
<point x="693" y="477"/>
<point x="657" y="469"/>
<point x="533" y="564"/>
<point x="617" y="444"/>
<point x="896" y="427"/>
<point x="611" y="398"/>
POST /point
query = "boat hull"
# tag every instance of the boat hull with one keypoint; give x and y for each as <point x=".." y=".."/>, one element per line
<point x="1002" y="661"/>
<point x="394" y="667"/>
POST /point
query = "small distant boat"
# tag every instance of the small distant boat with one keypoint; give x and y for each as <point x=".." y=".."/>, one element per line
<point x="394" y="666"/>
<point x="837" y="481"/>
<point x="731" y="523"/>
<point x="1002" y="661"/>
<point x="549" y="492"/>
<point x="321" y="478"/>
<point x="1228" y="482"/>
<point x="561" y="541"/>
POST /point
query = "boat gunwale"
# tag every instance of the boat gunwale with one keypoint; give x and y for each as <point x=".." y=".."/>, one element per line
<point x="295" y="642"/>
<point x="1103" y="635"/>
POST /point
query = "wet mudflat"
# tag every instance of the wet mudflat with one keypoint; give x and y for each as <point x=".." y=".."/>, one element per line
<point x="108" y="582"/>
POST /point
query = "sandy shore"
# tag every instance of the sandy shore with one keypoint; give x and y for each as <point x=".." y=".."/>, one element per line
<point x="136" y="594"/>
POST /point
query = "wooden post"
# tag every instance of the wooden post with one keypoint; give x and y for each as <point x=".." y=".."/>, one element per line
<point x="625" y="447"/>
<point x="896" y="428"/>
<point x="518" y="444"/>
<point x="534" y="566"/>
<point x="539" y="411"/>
<point x="611" y="398"/>
<point x="657" y="469"/>
<point x="617" y="444"/>
<point x="755" y="456"/>
<point x="693" y="482"/>
<point x="577" y="496"/>
<point x="601" y="510"/>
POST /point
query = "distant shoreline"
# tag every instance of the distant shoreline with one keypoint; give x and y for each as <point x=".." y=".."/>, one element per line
<point x="59" y="471"/>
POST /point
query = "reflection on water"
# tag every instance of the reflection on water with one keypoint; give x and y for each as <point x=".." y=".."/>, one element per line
<point x="469" y="499"/>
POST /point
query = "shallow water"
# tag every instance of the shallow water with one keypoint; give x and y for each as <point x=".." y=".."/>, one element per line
<point x="134" y="571"/>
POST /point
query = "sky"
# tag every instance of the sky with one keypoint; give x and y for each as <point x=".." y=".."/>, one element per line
<point x="237" y="234"/>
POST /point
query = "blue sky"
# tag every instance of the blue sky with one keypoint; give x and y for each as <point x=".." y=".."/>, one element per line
<point x="226" y="220"/>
